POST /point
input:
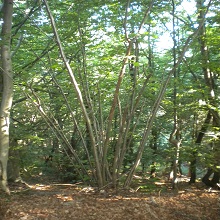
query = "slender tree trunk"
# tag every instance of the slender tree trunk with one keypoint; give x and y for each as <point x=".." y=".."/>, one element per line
<point x="216" y="178"/>
<point x="156" y="105"/>
<point x="206" y="180"/>
<point x="154" y="132"/>
<point x="176" y="144"/>
<point x="80" y="99"/>
<point x="7" y="92"/>
<point x="120" y="78"/>
<point x="153" y="146"/>
<point x="209" y="79"/>
<point x="175" y="138"/>
<point x="195" y="152"/>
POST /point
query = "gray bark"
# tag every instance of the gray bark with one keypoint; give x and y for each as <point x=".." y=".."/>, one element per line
<point x="7" y="91"/>
<point x="156" y="105"/>
<point x="79" y="96"/>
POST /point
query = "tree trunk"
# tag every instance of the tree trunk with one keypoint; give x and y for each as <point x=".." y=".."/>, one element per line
<point x="176" y="142"/>
<point x="156" y="105"/>
<point x="209" y="78"/>
<point x="175" y="137"/>
<point x="216" y="178"/>
<point x="153" y="146"/>
<point x="7" y="91"/>
<point x="13" y="169"/>
<point x="198" y="142"/>
<point x="80" y="99"/>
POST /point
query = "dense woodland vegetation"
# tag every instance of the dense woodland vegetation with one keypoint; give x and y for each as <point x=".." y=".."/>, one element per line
<point x="98" y="91"/>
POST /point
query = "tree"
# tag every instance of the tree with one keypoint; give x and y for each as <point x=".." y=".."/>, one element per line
<point x="7" y="90"/>
<point x="101" y="114"/>
<point x="209" y="76"/>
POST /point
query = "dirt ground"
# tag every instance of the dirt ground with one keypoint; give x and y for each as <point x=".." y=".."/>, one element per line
<point x="74" y="201"/>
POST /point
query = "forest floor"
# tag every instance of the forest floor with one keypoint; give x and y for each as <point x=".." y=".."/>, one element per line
<point x="151" y="200"/>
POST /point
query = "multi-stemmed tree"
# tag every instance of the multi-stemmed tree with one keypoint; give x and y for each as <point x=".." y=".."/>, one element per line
<point x="90" y="80"/>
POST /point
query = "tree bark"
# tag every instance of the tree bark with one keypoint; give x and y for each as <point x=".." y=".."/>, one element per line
<point x="209" y="79"/>
<point x="153" y="146"/>
<point x="13" y="168"/>
<point x="215" y="179"/>
<point x="156" y="105"/>
<point x="175" y="136"/>
<point x="80" y="98"/>
<point x="198" y="142"/>
<point x="7" y="91"/>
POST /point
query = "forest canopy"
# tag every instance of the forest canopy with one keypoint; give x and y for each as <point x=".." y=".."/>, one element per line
<point x="103" y="90"/>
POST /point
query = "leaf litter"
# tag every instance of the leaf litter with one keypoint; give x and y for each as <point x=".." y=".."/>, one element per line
<point x="73" y="201"/>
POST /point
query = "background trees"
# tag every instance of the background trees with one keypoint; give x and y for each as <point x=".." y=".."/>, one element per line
<point x="105" y="87"/>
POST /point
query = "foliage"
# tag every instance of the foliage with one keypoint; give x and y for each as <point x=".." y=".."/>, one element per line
<point x="47" y="117"/>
